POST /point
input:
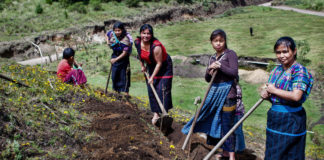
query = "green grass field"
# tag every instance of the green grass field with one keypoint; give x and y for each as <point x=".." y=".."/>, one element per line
<point x="317" y="5"/>
<point x="268" y="25"/>
<point x="57" y="18"/>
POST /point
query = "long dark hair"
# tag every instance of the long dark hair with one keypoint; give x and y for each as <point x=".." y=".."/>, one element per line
<point x="150" y="28"/>
<point x="219" y="32"/>
<point x="67" y="53"/>
<point x="121" y="26"/>
<point x="288" y="42"/>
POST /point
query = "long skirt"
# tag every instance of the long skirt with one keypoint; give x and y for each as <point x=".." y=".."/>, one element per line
<point x="120" y="77"/>
<point x="163" y="88"/>
<point x="162" y="84"/>
<point x="227" y="122"/>
<point x="286" y="133"/>
<point x="239" y="135"/>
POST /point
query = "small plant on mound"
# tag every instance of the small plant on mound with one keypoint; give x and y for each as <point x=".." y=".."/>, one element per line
<point x="39" y="9"/>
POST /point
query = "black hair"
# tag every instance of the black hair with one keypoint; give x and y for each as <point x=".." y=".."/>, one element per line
<point x="288" y="42"/>
<point x="121" y="26"/>
<point x="68" y="52"/>
<point x="150" y="28"/>
<point x="219" y="32"/>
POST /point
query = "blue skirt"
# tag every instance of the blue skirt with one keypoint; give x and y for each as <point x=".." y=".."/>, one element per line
<point x="286" y="133"/>
<point x="120" y="77"/>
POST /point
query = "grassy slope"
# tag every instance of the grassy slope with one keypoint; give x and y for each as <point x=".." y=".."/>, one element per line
<point x="53" y="18"/>
<point x="268" y="24"/>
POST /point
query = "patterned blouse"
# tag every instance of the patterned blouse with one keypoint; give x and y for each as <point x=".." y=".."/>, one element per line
<point x="296" y="77"/>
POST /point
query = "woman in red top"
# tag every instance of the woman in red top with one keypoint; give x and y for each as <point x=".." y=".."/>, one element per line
<point x="159" y="66"/>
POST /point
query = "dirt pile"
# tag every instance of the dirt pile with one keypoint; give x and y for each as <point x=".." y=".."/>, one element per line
<point x="256" y="77"/>
<point x="125" y="132"/>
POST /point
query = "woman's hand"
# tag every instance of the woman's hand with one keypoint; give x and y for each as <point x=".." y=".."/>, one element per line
<point x="270" y="88"/>
<point x="113" y="60"/>
<point x="215" y="65"/>
<point x="143" y="69"/>
<point x="211" y="72"/>
<point x="150" y="80"/>
<point x="264" y="94"/>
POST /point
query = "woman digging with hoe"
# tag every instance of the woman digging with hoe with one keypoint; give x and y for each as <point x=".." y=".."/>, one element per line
<point x="216" y="117"/>
<point x="288" y="87"/>
<point x="159" y="66"/>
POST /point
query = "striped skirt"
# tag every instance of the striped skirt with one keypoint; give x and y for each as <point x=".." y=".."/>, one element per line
<point x="286" y="133"/>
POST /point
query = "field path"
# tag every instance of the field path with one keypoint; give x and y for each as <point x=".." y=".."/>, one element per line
<point x="294" y="9"/>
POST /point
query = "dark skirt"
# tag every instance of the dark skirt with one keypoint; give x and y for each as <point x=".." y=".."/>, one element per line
<point x="163" y="85"/>
<point x="239" y="135"/>
<point x="120" y="75"/>
<point x="227" y="122"/>
<point x="286" y="133"/>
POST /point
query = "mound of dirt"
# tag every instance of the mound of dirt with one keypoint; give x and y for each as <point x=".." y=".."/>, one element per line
<point x="126" y="133"/>
<point x="256" y="77"/>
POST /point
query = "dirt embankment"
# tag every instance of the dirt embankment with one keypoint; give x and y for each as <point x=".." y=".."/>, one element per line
<point x="23" y="49"/>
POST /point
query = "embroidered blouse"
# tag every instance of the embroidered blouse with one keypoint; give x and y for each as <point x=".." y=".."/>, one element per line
<point x="295" y="77"/>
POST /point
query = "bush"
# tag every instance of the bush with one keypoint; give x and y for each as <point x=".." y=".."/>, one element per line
<point x="132" y="3"/>
<point x="302" y="49"/>
<point x="39" y="9"/>
<point x="50" y="2"/>
<point x="78" y="7"/>
<point x="66" y="15"/>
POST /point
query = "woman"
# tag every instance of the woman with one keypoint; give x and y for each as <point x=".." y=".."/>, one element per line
<point x="288" y="87"/>
<point x="217" y="114"/>
<point x="159" y="66"/>
<point x="121" y="45"/>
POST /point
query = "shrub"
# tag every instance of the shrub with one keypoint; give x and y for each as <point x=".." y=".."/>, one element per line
<point x="39" y="9"/>
<point x="50" y="2"/>
<point x="132" y="3"/>
<point x="66" y="15"/>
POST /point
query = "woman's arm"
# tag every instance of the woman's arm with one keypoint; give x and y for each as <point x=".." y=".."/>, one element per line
<point x="157" y="53"/>
<point x="232" y="68"/>
<point x="114" y="60"/>
<point x="294" y="95"/>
